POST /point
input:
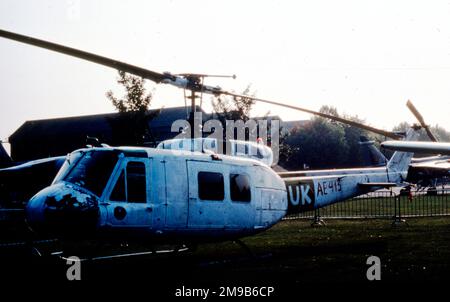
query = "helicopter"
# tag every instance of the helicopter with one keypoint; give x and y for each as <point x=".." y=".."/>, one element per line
<point x="38" y="174"/>
<point x="185" y="195"/>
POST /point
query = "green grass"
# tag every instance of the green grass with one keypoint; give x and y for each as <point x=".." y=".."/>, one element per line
<point x="338" y="251"/>
<point x="292" y="252"/>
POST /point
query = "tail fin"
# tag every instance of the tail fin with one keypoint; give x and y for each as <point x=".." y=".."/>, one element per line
<point x="5" y="160"/>
<point x="370" y="155"/>
<point x="400" y="161"/>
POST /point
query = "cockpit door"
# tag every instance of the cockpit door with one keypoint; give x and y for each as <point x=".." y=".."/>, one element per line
<point x="128" y="200"/>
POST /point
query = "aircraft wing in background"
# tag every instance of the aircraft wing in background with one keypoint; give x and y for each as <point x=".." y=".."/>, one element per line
<point x="418" y="147"/>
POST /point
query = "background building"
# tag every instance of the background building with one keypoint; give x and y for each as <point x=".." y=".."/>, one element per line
<point x="54" y="137"/>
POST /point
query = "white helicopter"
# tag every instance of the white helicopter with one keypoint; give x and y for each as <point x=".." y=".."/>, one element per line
<point x="160" y="194"/>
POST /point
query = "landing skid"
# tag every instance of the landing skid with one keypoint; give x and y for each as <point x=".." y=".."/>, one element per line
<point x="179" y="249"/>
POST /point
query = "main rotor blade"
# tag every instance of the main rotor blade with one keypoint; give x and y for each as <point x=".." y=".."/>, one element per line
<point x="179" y="81"/>
<point x="145" y="73"/>
<point x="324" y="115"/>
<point x="419" y="117"/>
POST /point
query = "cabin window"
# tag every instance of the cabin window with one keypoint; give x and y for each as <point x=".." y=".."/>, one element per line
<point x="210" y="186"/>
<point x="240" y="187"/>
<point x="136" y="186"/>
<point x="131" y="184"/>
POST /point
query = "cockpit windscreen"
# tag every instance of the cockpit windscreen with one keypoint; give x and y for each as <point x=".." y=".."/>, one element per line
<point x="92" y="170"/>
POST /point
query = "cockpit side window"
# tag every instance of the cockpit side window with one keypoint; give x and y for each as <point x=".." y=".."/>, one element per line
<point x="131" y="184"/>
<point x="118" y="193"/>
<point x="92" y="170"/>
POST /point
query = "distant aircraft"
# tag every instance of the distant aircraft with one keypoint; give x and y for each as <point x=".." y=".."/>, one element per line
<point x="425" y="171"/>
<point x="20" y="182"/>
<point x="371" y="156"/>
<point x="5" y="159"/>
<point x="419" y="147"/>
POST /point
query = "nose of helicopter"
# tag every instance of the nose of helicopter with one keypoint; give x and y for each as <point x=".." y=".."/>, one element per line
<point x="64" y="210"/>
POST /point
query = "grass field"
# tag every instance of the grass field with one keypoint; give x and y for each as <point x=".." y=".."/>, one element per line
<point x="292" y="252"/>
<point x="338" y="251"/>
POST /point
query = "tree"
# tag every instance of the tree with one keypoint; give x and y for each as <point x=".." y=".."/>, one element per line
<point x="238" y="108"/>
<point x="234" y="108"/>
<point x="324" y="143"/>
<point x="319" y="144"/>
<point x="136" y="99"/>
<point x="352" y="136"/>
<point x="441" y="134"/>
<point x="134" y="112"/>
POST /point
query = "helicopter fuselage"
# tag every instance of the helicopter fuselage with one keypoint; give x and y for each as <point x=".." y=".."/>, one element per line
<point x="153" y="193"/>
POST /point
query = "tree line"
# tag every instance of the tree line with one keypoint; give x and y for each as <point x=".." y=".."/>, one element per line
<point x="322" y="143"/>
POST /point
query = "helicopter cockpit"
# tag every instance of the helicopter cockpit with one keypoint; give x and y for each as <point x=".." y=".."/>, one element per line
<point x="88" y="169"/>
<point x="70" y="205"/>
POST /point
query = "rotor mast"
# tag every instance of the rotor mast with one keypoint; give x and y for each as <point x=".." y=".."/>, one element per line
<point x="196" y="88"/>
<point x="195" y="85"/>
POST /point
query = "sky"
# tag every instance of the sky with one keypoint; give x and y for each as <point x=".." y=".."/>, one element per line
<point x="366" y="58"/>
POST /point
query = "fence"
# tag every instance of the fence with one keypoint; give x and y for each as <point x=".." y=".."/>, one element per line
<point x="386" y="204"/>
